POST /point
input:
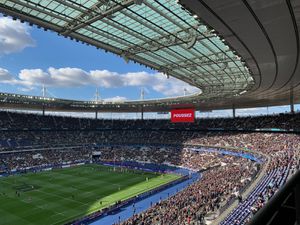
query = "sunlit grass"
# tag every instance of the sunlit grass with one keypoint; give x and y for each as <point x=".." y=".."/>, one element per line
<point x="62" y="195"/>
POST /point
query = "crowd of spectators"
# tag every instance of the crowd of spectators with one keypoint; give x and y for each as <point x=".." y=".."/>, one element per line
<point x="16" y="121"/>
<point x="170" y="155"/>
<point x="73" y="139"/>
<point x="283" y="150"/>
<point x="217" y="186"/>
<point x="16" y="161"/>
<point x="232" y="174"/>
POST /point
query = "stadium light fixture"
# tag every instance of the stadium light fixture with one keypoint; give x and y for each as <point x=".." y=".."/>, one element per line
<point x="243" y="92"/>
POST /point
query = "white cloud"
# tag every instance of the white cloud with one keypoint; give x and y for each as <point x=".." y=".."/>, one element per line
<point x="5" y="76"/>
<point x="140" y="79"/>
<point x="76" y="77"/>
<point x="33" y="77"/>
<point x="14" y="36"/>
<point x="25" y="89"/>
<point x="106" y="79"/>
<point x="116" y="99"/>
<point x="71" y="77"/>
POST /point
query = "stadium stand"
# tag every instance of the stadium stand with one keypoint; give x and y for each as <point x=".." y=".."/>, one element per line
<point x="12" y="121"/>
<point x="237" y="54"/>
<point x="25" y="147"/>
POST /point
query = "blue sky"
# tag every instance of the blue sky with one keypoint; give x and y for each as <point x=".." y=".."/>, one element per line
<point x="31" y="57"/>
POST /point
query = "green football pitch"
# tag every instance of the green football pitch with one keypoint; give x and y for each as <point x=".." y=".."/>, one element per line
<point x="62" y="195"/>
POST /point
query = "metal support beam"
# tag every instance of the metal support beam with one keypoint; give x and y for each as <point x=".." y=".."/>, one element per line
<point x="43" y="110"/>
<point x="97" y="12"/>
<point x="233" y="111"/>
<point x="167" y="40"/>
<point x="96" y="114"/>
<point x="142" y="113"/>
<point x="196" y="58"/>
<point x="202" y="60"/>
<point x="56" y="28"/>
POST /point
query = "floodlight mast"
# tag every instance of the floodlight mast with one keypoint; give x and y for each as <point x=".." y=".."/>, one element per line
<point x="44" y="91"/>
<point x="142" y="94"/>
<point x="97" y="101"/>
<point x="184" y="91"/>
<point x="43" y="95"/>
<point x="97" y="96"/>
<point x="142" y="107"/>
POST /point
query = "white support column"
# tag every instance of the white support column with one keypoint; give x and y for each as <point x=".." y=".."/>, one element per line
<point x="233" y="111"/>
<point x="292" y="101"/>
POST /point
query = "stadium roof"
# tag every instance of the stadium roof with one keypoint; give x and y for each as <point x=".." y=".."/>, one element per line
<point x="237" y="53"/>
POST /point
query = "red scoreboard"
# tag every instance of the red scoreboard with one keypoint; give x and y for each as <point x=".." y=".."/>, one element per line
<point x="182" y="115"/>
